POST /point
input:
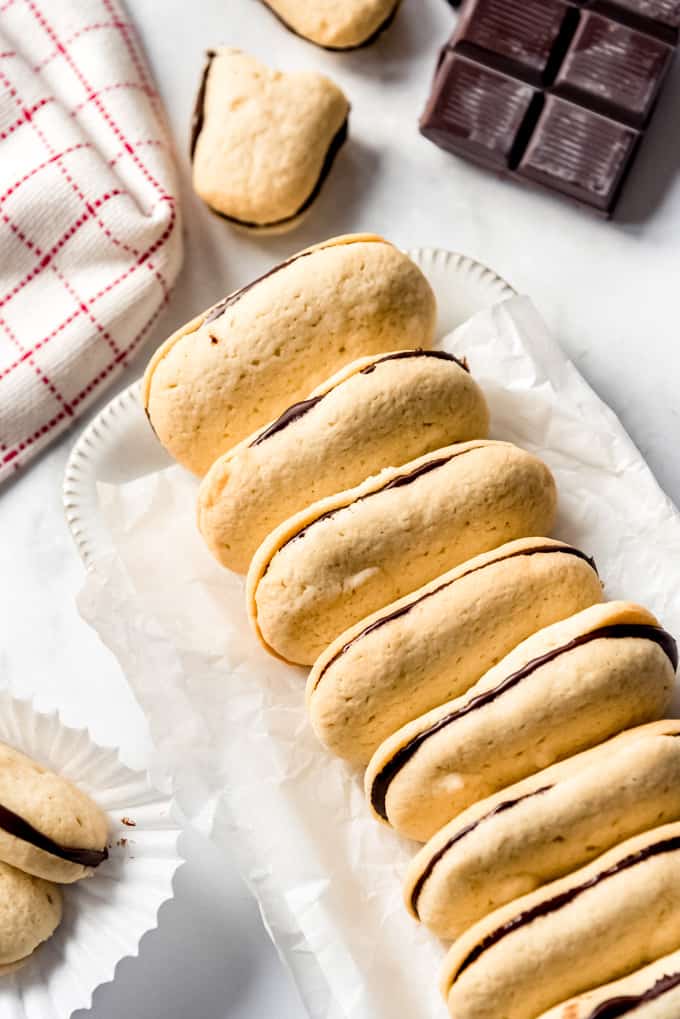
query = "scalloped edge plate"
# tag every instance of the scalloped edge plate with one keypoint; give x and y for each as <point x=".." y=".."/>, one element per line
<point x="119" y="446"/>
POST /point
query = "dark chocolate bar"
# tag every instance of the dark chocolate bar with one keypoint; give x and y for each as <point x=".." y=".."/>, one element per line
<point x="553" y="92"/>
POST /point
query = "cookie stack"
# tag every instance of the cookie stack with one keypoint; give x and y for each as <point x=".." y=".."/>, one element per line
<point x="51" y="833"/>
<point x="506" y="716"/>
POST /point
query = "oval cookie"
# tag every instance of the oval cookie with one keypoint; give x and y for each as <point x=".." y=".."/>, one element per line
<point x="30" y="912"/>
<point x="263" y="141"/>
<point x="48" y="827"/>
<point x="562" y="690"/>
<point x="652" y="992"/>
<point x="540" y="829"/>
<point x="616" y="914"/>
<point x="438" y="641"/>
<point x="377" y="412"/>
<point x="241" y="363"/>
<point x="335" y="26"/>
<point x="347" y="556"/>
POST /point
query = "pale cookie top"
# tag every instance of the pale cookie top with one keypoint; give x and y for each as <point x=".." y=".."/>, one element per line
<point x="51" y="805"/>
<point x="333" y="25"/>
<point x="263" y="140"/>
<point x="30" y="910"/>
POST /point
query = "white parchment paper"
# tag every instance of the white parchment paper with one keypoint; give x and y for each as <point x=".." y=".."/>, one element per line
<point x="229" y="723"/>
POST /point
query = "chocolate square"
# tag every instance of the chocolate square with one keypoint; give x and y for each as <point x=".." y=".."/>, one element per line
<point x="520" y="37"/>
<point x="579" y="153"/>
<point x="614" y="69"/>
<point x="656" y="16"/>
<point x="476" y="111"/>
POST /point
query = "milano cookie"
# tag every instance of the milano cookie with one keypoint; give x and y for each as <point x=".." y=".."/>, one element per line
<point x="377" y="412"/>
<point x="263" y="141"/>
<point x="30" y="912"/>
<point x="435" y="643"/>
<point x="48" y="827"/>
<point x="241" y="363"/>
<point x="649" y="993"/>
<point x="348" y="555"/>
<point x="562" y="690"/>
<point x="544" y="827"/>
<point x="616" y="914"/>
<point x="333" y="25"/>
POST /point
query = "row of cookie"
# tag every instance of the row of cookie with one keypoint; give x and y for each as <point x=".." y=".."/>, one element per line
<point x="358" y="696"/>
<point x="51" y="833"/>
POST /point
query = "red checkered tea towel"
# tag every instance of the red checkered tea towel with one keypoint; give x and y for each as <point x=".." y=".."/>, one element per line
<point x="90" y="240"/>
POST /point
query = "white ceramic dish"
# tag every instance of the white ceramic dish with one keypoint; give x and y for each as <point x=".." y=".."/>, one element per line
<point x="118" y="445"/>
<point x="106" y="915"/>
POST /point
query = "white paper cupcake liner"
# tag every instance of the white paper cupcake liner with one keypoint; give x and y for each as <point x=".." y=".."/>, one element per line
<point x="105" y="916"/>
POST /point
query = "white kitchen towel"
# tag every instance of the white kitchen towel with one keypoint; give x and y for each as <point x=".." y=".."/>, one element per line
<point x="90" y="238"/>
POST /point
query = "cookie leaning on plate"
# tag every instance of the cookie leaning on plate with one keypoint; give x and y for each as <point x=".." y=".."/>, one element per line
<point x="435" y="643"/>
<point x="263" y="141"/>
<point x="564" y="689"/>
<point x="30" y="912"/>
<point x="539" y="829"/>
<point x="377" y="412"/>
<point x="336" y="26"/>
<point x="618" y="913"/>
<point x="237" y="366"/>
<point x="48" y="827"/>
<point x="649" y="993"/>
<point x="350" y="554"/>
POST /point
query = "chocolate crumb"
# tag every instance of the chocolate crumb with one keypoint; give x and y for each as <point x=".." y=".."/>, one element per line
<point x="128" y="823"/>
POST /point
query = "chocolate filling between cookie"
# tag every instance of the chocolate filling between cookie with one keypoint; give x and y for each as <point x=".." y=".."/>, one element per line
<point x="557" y="902"/>
<point x="341" y="49"/>
<point x="614" y="1008"/>
<point x="441" y="853"/>
<point x="618" y="631"/>
<point x="405" y="609"/>
<point x="298" y="410"/>
<point x="19" y="828"/>
<point x="197" y="116"/>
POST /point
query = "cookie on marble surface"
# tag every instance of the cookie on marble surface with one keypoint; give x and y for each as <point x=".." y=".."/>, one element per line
<point x="438" y="641"/>
<point x="237" y="366"/>
<point x="377" y="412"/>
<point x="562" y="690"/>
<point x="30" y="912"/>
<point x="620" y="912"/>
<point x="263" y="141"/>
<point x="652" y="992"/>
<point x="48" y="827"/>
<point x="545" y="826"/>
<point x="347" y="556"/>
<point x="336" y="26"/>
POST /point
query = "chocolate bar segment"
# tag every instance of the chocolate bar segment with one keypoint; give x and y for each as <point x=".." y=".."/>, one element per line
<point x="553" y="92"/>
<point x="477" y="111"/>
<point x="522" y="37"/>
<point x="613" y="68"/>
<point x="579" y="153"/>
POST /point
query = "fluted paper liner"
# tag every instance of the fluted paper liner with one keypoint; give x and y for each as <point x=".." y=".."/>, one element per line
<point x="106" y="915"/>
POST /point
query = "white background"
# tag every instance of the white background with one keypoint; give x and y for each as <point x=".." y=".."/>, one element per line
<point x="609" y="290"/>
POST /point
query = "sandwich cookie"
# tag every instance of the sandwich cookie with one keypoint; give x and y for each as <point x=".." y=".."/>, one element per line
<point x="30" y="912"/>
<point x="334" y="26"/>
<point x="377" y="412"/>
<point x="620" y="912"/>
<point x="650" y="993"/>
<point x="347" y="556"/>
<point x="563" y="690"/>
<point x="263" y="142"/>
<point x="542" y="828"/>
<point x="435" y="643"/>
<point x="241" y="363"/>
<point x="48" y="827"/>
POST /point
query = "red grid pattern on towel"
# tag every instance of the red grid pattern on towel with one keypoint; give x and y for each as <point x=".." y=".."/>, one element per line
<point x="104" y="230"/>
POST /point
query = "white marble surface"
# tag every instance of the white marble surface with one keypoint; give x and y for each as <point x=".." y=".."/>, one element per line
<point x="610" y="291"/>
